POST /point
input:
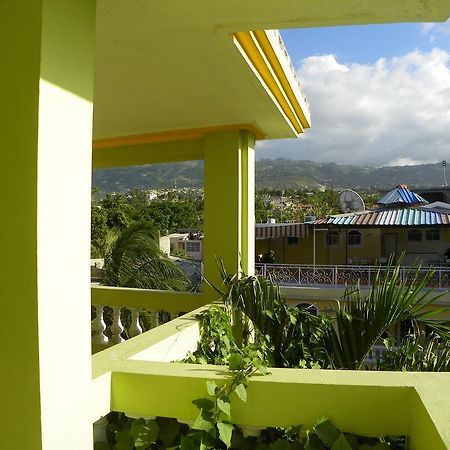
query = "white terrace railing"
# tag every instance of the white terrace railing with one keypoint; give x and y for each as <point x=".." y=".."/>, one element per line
<point x="122" y="313"/>
<point x="338" y="276"/>
<point x="114" y="324"/>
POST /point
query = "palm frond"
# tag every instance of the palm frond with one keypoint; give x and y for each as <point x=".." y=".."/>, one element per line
<point x="361" y="320"/>
<point x="136" y="261"/>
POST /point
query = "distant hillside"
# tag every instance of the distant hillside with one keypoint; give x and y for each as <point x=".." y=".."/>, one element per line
<point x="158" y="176"/>
<point x="271" y="173"/>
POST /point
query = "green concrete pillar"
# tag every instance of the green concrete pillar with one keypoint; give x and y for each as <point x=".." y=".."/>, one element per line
<point x="229" y="202"/>
<point x="45" y="170"/>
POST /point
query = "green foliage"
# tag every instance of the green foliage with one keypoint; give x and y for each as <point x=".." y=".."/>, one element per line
<point x="169" y="215"/>
<point x="136" y="261"/>
<point x="286" y="336"/>
<point x="216" y="342"/>
<point x="361" y="321"/>
<point x="256" y="327"/>
<point x="419" y="352"/>
<point x="114" y="213"/>
<point x="99" y="231"/>
<point x="125" y="433"/>
<point x="214" y="423"/>
<point x="213" y="430"/>
<point x="293" y="205"/>
<point x="292" y="337"/>
<point x="118" y="211"/>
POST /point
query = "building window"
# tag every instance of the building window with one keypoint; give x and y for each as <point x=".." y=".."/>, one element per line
<point x="332" y="238"/>
<point x="433" y="234"/>
<point x="192" y="247"/>
<point x="292" y="240"/>
<point x="414" y="235"/>
<point x="354" y="238"/>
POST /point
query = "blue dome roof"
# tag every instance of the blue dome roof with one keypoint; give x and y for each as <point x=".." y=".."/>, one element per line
<point x="401" y="195"/>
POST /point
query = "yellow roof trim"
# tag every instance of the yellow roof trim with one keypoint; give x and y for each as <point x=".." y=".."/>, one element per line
<point x="166" y="136"/>
<point x="266" y="46"/>
<point x="259" y="53"/>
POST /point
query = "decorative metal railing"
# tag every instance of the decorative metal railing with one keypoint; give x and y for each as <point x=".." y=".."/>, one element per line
<point x="321" y="275"/>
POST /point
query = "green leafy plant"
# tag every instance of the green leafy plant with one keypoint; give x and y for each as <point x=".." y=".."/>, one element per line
<point x="216" y="342"/>
<point x="136" y="261"/>
<point x="416" y="352"/>
<point x="125" y="433"/>
<point x="361" y="320"/>
<point x="289" y="337"/>
<point x="214" y="420"/>
<point x="344" y="339"/>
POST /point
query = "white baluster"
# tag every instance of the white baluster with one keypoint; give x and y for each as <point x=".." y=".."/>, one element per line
<point x="135" y="327"/>
<point x="116" y="327"/>
<point x="154" y="321"/>
<point x="98" y="327"/>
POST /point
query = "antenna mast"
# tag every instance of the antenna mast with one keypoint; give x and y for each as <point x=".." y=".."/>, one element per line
<point x="444" y="166"/>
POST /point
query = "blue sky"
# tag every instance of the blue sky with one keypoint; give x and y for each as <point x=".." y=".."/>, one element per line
<point x="363" y="44"/>
<point x="379" y="94"/>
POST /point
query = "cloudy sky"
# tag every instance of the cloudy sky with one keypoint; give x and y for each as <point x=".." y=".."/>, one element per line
<point x="380" y="94"/>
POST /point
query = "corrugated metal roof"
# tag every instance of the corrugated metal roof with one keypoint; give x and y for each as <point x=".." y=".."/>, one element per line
<point x="401" y="194"/>
<point x="389" y="217"/>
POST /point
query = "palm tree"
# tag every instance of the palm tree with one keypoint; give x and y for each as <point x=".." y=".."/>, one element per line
<point x="136" y="261"/>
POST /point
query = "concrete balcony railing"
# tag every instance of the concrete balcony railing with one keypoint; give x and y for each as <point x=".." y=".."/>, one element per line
<point x="155" y="307"/>
<point x="338" y="276"/>
<point x="137" y="377"/>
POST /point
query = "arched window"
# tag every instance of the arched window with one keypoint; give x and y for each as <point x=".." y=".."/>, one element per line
<point x="414" y="235"/>
<point x="433" y="235"/>
<point x="332" y="238"/>
<point x="308" y="307"/>
<point x="354" y="238"/>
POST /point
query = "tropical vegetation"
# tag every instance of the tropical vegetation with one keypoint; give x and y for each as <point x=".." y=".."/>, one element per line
<point x="256" y="314"/>
<point x="112" y="214"/>
<point x="135" y="260"/>
<point x="254" y="328"/>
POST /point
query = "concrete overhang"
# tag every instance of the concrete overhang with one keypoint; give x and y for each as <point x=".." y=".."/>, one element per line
<point x="164" y="67"/>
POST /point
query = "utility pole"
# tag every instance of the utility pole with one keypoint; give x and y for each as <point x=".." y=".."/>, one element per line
<point x="444" y="165"/>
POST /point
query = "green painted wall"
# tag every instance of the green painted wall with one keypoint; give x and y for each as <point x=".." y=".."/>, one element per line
<point x="46" y="115"/>
<point x="20" y="28"/>
<point x="229" y="203"/>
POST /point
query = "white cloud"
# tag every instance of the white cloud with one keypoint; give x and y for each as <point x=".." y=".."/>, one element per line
<point x="426" y="27"/>
<point x="439" y="28"/>
<point x="408" y="162"/>
<point x="395" y="110"/>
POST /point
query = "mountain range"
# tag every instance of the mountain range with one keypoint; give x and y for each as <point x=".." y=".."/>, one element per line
<point x="272" y="173"/>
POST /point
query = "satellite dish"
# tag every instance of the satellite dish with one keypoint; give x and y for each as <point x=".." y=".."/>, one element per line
<point x="351" y="201"/>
